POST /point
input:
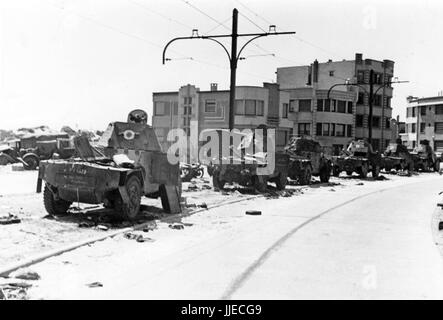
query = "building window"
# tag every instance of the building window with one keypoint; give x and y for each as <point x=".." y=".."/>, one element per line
<point x="285" y="110"/>
<point x="304" y="105"/>
<point x="239" y="107"/>
<point x="332" y="129"/>
<point x="187" y="110"/>
<point x="439" y="127"/>
<point x="375" y="144"/>
<point x="331" y="73"/>
<point x="327" y="106"/>
<point x="423" y="111"/>
<point x="388" y="102"/>
<point x="359" y="120"/>
<point x="439" y="109"/>
<point x="210" y="106"/>
<point x="341" y="106"/>
<point x="175" y="108"/>
<point x="340" y="130"/>
<point x="320" y="103"/>
<point x="159" y="108"/>
<point x="250" y="109"/>
<point x="376" y="122"/>
<point x="319" y="129"/>
<point x="282" y="138"/>
<point x="188" y="100"/>
<point x="349" y="130"/>
<point x="361" y="98"/>
<point x="360" y="76"/>
<point x="377" y="100"/>
<point x="325" y="129"/>
<point x="388" y="123"/>
<point x="413" y="128"/>
<point x="260" y="107"/>
<point x="350" y="107"/>
<point x="378" y="78"/>
<point x="422" y="127"/>
<point x="304" y="129"/>
<point x="292" y="105"/>
<point x="333" y="105"/>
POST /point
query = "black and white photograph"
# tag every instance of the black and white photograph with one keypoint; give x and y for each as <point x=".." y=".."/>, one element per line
<point x="235" y="151"/>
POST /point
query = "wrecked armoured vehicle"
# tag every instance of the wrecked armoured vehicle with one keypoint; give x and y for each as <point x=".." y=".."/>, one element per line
<point x="396" y="156"/>
<point x="126" y="164"/>
<point x="425" y="159"/>
<point x="360" y="158"/>
<point x="307" y="158"/>
<point x="242" y="166"/>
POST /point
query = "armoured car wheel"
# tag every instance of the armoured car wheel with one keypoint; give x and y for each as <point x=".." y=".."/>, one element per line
<point x="375" y="172"/>
<point x="281" y="181"/>
<point x="131" y="209"/>
<point x="217" y="183"/>
<point x="335" y="171"/>
<point x="437" y="166"/>
<point x="31" y="161"/>
<point x="3" y="160"/>
<point x="325" y="174"/>
<point x="349" y="173"/>
<point x="54" y="207"/>
<point x="200" y="173"/>
<point x="305" y="177"/>
<point x="364" y="170"/>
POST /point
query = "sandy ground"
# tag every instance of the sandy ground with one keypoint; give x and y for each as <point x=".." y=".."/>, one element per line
<point x="348" y="229"/>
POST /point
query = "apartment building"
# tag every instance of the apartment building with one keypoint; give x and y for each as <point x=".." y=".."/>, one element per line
<point x="210" y="110"/>
<point x="316" y="79"/>
<point x="424" y="121"/>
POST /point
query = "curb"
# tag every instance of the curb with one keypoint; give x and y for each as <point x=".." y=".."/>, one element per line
<point x="4" y="272"/>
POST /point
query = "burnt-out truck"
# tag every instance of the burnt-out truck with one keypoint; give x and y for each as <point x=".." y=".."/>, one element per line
<point x="126" y="164"/>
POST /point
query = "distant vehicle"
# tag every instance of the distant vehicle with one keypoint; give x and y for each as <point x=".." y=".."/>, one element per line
<point x="397" y="156"/>
<point x="242" y="167"/>
<point x="360" y="158"/>
<point x="425" y="159"/>
<point x="128" y="163"/>
<point x="308" y="158"/>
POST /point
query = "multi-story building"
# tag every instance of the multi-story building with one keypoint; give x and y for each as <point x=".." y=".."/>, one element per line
<point x="210" y="110"/>
<point x="316" y="79"/>
<point x="424" y="121"/>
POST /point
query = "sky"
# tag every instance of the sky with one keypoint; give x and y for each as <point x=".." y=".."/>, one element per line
<point x="85" y="63"/>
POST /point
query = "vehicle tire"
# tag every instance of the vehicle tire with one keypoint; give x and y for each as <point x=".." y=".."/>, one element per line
<point x="217" y="183"/>
<point x="437" y="166"/>
<point x="54" y="207"/>
<point x="364" y="170"/>
<point x="3" y="160"/>
<point x="349" y="173"/>
<point x="325" y="174"/>
<point x="260" y="185"/>
<point x="375" y="172"/>
<point x="305" y="177"/>
<point x="425" y="167"/>
<point x="130" y="210"/>
<point x="32" y="161"/>
<point x="281" y="181"/>
<point x="335" y="171"/>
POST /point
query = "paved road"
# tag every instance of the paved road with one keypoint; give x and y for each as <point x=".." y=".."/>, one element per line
<point x="356" y="241"/>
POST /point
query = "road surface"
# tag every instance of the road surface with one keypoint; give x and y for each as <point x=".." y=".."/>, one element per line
<point x="365" y="240"/>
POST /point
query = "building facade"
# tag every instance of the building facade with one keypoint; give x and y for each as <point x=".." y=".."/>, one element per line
<point x="424" y="121"/>
<point x="318" y="78"/>
<point x="254" y="106"/>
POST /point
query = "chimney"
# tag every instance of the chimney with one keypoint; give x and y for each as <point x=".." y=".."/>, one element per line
<point x="358" y="58"/>
<point x="214" y="86"/>
<point x="315" y="72"/>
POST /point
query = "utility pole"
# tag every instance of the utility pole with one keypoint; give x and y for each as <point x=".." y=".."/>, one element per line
<point x="371" y="98"/>
<point x="233" y="56"/>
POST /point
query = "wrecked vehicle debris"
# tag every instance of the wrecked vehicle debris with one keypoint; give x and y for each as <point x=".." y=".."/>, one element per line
<point x="126" y="164"/>
<point x="9" y="219"/>
<point x="190" y="171"/>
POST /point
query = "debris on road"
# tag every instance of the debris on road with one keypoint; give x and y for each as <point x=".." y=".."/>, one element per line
<point x="381" y="178"/>
<point x="25" y="274"/>
<point x="359" y="184"/>
<point x="86" y="224"/>
<point x="253" y="212"/>
<point x="95" y="285"/>
<point x="206" y="186"/>
<point x="333" y="190"/>
<point x="103" y="227"/>
<point x="9" y="219"/>
<point x="176" y="226"/>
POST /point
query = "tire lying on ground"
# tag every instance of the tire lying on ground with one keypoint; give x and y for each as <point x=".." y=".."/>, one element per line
<point x="54" y="206"/>
<point x="31" y="160"/>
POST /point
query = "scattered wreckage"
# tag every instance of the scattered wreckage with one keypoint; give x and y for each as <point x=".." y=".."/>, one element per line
<point x="244" y="164"/>
<point x="126" y="164"/>
<point x="360" y="158"/>
<point x="190" y="171"/>
<point x="307" y="159"/>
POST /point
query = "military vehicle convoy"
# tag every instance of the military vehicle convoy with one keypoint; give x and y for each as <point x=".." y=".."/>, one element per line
<point x="360" y="158"/>
<point x="307" y="159"/>
<point x="127" y="163"/>
<point x="243" y="166"/>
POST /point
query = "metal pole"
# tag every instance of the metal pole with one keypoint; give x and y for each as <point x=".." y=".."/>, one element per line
<point x="233" y="68"/>
<point x="371" y="98"/>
